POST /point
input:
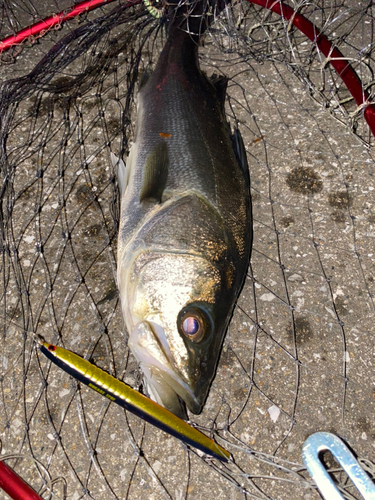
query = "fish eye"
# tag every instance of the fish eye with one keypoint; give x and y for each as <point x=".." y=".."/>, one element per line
<point x="192" y="324"/>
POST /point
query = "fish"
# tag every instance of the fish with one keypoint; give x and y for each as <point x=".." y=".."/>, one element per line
<point x="185" y="231"/>
<point x="117" y="391"/>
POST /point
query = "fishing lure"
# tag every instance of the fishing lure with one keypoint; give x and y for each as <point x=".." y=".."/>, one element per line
<point x="154" y="7"/>
<point x="131" y="400"/>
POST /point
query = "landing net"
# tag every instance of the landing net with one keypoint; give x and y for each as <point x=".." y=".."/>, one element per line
<point x="299" y="353"/>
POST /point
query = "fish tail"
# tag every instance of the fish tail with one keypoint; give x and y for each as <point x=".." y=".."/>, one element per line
<point x="192" y="17"/>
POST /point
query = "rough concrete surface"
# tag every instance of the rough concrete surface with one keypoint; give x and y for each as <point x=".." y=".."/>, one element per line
<point x="299" y="353"/>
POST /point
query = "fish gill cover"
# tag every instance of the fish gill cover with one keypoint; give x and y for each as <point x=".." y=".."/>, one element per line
<point x="299" y="353"/>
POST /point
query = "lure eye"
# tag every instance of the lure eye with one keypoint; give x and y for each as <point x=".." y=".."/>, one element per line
<point x="192" y="324"/>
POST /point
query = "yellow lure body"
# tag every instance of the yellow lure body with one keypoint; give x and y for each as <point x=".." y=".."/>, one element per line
<point x="122" y="394"/>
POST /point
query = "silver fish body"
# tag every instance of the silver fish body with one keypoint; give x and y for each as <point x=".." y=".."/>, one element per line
<point x="185" y="229"/>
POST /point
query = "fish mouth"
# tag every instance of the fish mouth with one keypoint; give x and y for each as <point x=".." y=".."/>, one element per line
<point x="164" y="384"/>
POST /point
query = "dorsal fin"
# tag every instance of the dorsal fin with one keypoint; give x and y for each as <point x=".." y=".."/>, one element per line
<point x="220" y="83"/>
<point x="155" y="173"/>
<point x="240" y="153"/>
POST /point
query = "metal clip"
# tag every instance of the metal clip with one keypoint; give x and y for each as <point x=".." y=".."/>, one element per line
<point x="321" y="441"/>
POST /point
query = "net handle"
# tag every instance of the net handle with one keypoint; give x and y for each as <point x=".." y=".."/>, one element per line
<point x="332" y="54"/>
<point x="41" y="27"/>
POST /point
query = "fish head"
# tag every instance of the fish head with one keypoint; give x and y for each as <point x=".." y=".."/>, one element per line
<point x="179" y="278"/>
<point x="177" y="307"/>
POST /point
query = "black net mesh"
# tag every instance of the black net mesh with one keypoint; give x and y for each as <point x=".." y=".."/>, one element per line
<point x="299" y="353"/>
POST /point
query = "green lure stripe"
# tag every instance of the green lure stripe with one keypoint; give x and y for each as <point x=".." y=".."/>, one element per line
<point x="131" y="400"/>
<point x="154" y="11"/>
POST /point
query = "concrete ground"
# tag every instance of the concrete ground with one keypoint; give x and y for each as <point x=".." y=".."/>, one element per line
<point x="299" y="354"/>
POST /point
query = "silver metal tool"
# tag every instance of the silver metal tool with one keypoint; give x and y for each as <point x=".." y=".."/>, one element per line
<point x="321" y="441"/>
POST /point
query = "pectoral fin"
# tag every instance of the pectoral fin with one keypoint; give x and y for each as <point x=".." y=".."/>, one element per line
<point x="121" y="171"/>
<point x="155" y="173"/>
<point x="143" y="79"/>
